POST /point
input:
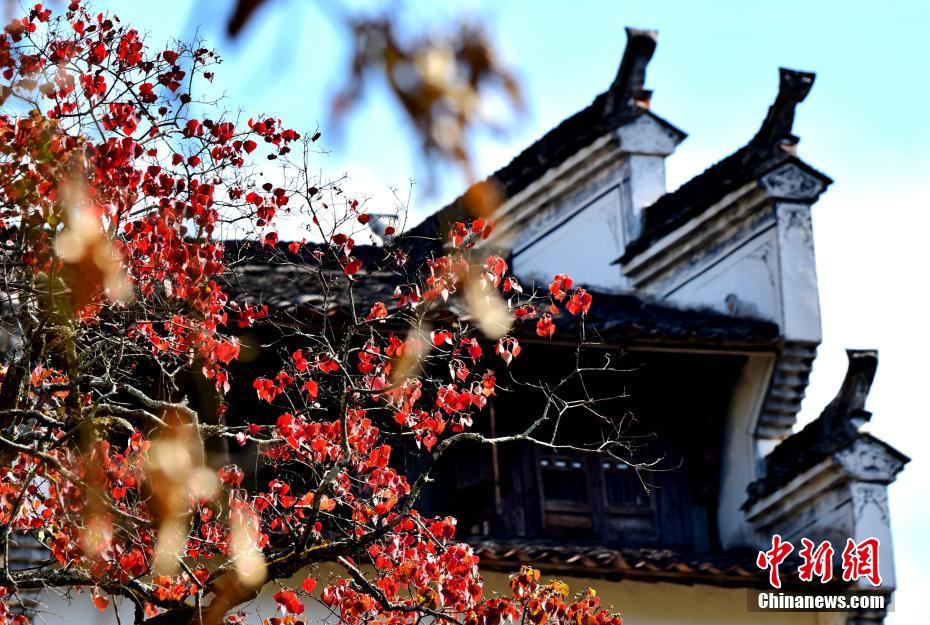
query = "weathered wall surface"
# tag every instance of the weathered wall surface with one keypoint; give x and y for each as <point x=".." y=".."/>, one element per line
<point x="582" y="246"/>
<point x="640" y="603"/>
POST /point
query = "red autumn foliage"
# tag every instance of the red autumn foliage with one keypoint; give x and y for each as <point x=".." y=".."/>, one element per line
<point x="545" y="327"/>
<point x="560" y="285"/>
<point x="580" y="302"/>
<point x="114" y="194"/>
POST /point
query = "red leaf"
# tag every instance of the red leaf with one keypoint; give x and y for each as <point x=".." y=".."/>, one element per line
<point x="457" y="233"/>
<point x="441" y="336"/>
<point x="249" y="146"/>
<point x="378" y="311"/>
<point x="560" y="284"/>
<point x="327" y="364"/>
<point x="526" y="311"/>
<point x="266" y="389"/>
<point x="300" y="361"/>
<point x="507" y="348"/>
<point x="226" y="351"/>
<point x="99" y="600"/>
<point x="580" y="302"/>
<point x="231" y="475"/>
<point x="351" y="268"/>
<point x="308" y="584"/>
<point x="346" y="242"/>
<point x="287" y="599"/>
<point x="545" y="327"/>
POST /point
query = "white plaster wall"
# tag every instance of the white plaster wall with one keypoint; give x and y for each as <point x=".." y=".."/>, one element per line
<point x="800" y="295"/>
<point x="585" y="233"/>
<point x="583" y="246"/>
<point x="647" y="184"/>
<point x="870" y="503"/>
<point x="647" y="136"/>
<point x="739" y="461"/>
<point x="643" y="603"/>
<point x="745" y="282"/>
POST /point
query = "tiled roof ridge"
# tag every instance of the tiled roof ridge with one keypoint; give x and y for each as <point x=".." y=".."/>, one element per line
<point x="773" y="144"/>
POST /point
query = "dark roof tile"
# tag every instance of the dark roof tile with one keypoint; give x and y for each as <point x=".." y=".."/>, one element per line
<point x="734" y="568"/>
<point x="288" y="282"/>
<point x="629" y="318"/>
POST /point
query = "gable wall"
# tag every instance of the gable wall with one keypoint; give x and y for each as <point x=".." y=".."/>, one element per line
<point x="578" y="218"/>
<point x="579" y="236"/>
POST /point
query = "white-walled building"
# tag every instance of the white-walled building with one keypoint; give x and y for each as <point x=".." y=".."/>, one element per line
<point x="710" y="291"/>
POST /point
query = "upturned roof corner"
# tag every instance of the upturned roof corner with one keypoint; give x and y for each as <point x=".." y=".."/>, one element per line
<point x="628" y="88"/>
<point x="835" y="429"/>
<point x="776" y="130"/>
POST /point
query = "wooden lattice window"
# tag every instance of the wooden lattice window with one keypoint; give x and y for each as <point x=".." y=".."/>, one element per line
<point x="593" y="497"/>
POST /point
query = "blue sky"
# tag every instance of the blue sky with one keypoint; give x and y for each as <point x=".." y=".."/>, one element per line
<point x="866" y="124"/>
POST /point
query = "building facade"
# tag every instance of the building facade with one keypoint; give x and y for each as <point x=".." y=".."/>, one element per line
<point x="711" y="291"/>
